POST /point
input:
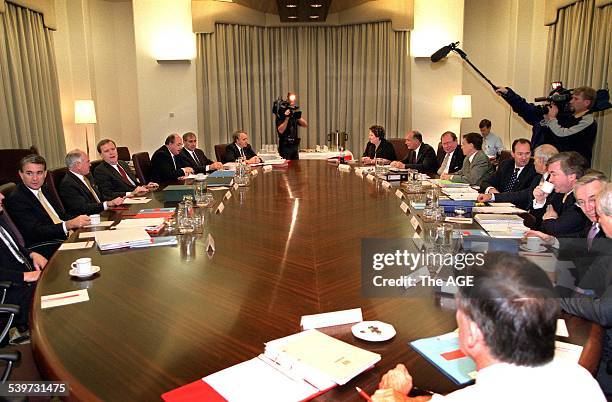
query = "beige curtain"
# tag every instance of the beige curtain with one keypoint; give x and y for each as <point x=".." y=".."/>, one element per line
<point x="346" y="78"/>
<point x="579" y="53"/>
<point x="29" y="93"/>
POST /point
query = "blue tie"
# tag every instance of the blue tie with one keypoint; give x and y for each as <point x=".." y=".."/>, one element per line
<point x="512" y="183"/>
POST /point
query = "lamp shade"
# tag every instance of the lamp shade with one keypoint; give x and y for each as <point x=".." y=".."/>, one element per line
<point x="84" y="112"/>
<point x="462" y="106"/>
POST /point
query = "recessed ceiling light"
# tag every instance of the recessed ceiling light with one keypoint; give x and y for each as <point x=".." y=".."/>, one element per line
<point x="292" y="17"/>
<point x="291" y="5"/>
<point x="316" y="5"/>
<point x="313" y="17"/>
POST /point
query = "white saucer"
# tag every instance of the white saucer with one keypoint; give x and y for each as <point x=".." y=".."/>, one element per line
<point x="540" y="250"/>
<point x="94" y="269"/>
<point x="373" y="331"/>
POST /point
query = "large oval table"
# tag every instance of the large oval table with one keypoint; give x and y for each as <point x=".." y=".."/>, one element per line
<point x="286" y="246"/>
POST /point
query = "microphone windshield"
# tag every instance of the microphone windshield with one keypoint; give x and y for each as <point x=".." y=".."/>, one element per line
<point x="442" y="52"/>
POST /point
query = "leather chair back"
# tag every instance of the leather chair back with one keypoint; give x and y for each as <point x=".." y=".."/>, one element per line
<point x="142" y="166"/>
<point x="53" y="180"/>
<point x="123" y="153"/>
<point x="9" y="164"/>
<point x="220" y="152"/>
<point x="7" y="188"/>
<point x="399" y="146"/>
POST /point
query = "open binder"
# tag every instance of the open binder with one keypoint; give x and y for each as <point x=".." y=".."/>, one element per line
<point x="298" y="367"/>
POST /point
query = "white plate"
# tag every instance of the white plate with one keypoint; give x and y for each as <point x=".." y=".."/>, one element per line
<point x="94" y="269"/>
<point x="540" y="250"/>
<point x="373" y="331"/>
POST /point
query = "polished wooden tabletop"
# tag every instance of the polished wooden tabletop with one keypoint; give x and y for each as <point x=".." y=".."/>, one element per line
<point x="286" y="246"/>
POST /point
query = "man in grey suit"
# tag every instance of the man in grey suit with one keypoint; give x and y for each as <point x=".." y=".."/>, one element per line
<point x="476" y="166"/>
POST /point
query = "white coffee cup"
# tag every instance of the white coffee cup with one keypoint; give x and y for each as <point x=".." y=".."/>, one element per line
<point x="82" y="265"/>
<point x="547" y="187"/>
<point x="95" y="219"/>
<point x="533" y="243"/>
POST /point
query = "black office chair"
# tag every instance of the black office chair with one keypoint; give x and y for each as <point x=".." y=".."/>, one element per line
<point x="220" y="152"/>
<point x="9" y="356"/>
<point x="123" y="154"/>
<point x="142" y="166"/>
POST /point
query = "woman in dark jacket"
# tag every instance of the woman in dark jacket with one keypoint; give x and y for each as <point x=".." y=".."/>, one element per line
<point x="378" y="147"/>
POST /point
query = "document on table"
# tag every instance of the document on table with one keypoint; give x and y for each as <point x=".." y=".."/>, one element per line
<point x="331" y="318"/>
<point x="567" y="351"/>
<point x="136" y="200"/>
<point x="62" y="299"/>
<point x="562" y="328"/>
<point x="102" y="224"/>
<point x="76" y="246"/>
<point x="87" y="235"/>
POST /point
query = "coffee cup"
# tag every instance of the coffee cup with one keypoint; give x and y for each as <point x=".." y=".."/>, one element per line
<point x="94" y="219"/>
<point x="547" y="187"/>
<point x="533" y="243"/>
<point x="82" y="265"/>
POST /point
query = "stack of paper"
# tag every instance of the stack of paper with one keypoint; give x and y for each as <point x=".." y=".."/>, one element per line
<point x="499" y="210"/>
<point x="501" y="225"/>
<point x="112" y="239"/>
<point x="461" y="193"/>
<point x="147" y="223"/>
<point x="320" y="357"/>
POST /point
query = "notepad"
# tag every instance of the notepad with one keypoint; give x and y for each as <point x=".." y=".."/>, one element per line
<point x="76" y="246"/>
<point x="332" y="318"/>
<point x="62" y="299"/>
<point x="136" y="200"/>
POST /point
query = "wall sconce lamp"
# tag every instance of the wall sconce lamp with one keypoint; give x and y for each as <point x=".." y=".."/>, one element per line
<point x="85" y="113"/>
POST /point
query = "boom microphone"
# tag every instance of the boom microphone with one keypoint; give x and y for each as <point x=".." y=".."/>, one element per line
<point x="442" y="52"/>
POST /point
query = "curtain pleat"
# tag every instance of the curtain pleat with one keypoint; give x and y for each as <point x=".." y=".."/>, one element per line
<point x="579" y="53"/>
<point x="346" y="78"/>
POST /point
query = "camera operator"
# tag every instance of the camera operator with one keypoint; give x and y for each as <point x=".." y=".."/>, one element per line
<point x="287" y="123"/>
<point x="573" y="131"/>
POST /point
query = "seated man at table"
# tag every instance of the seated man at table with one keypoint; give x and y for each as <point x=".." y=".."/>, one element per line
<point x="593" y="298"/>
<point x="523" y="198"/>
<point x="114" y="177"/>
<point x="514" y="174"/>
<point x="195" y="157"/>
<point x="20" y="267"/>
<point x="165" y="164"/>
<point x="378" y="147"/>
<point x="421" y="156"/>
<point x="450" y="157"/>
<point x="556" y="213"/>
<point x="78" y="190"/>
<point x="476" y="167"/>
<point x="240" y="148"/>
<point x="507" y="322"/>
<point x="492" y="145"/>
<point x="43" y="222"/>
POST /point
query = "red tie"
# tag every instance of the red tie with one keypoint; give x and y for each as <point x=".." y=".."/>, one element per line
<point x="123" y="174"/>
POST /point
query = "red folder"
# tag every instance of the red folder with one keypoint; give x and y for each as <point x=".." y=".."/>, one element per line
<point x="195" y="391"/>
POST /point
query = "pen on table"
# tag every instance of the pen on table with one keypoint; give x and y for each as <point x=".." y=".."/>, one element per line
<point x="363" y="394"/>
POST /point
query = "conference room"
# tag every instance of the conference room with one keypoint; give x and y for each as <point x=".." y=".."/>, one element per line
<point x="306" y="83"/>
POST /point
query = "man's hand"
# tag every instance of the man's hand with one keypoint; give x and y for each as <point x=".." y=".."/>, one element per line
<point x="38" y="260"/>
<point x="548" y="239"/>
<point x="287" y="112"/>
<point x="539" y="195"/>
<point x="152" y="186"/>
<point x="78" y="222"/>
<point x="140" y="190"/>
<point x="484" y="197"/>
<point x="389" y="395"/>
<point x="254" y="159"/>
<point x="397" y="379"/>
<point x="367" y="160"/>
<point x="501" y="90"/>
<point x="550" y="213"/>
<point x="31" y="276"/>
<point x="116" y="202"/>
<point x="187" y="170"/>
<point x="398" y="164"/>
<point x="553" y="110"/>
<point x="493" y="191"/>
<point x="216" y="165"/>
<point x="446" y="176"/>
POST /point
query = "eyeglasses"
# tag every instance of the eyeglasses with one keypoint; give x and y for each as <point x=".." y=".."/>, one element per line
<point x="581" y="204"/>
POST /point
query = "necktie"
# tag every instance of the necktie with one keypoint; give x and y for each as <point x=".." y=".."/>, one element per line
<point x="511" y="184"/>
<point x="126" y="179"/>
<point x="195" y="157"/>
<point x="14" y="249"/>
<point x="445" y="163"/>
<point x="173" y="162"/>
<point x="48" y="208"/>
<point x="242" y="152"/>
<point x="592" y="233"/>
<point x="413" y="158"/>
<point x="91" y="190"/>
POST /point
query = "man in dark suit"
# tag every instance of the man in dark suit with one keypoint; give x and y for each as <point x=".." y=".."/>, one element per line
<point x="240" y="148"/>
<point x="557" y="213"/>
<point x="20" y="267"/>
<point x="195" y="157"/>
<point x="522" y="198"/>
<point x="43" y="223"/>
<point x="165" y="163"/>
<point x="515" y="174"/>
<point x="476" y="167"/>
<point x="421" y="156"/>
<point x="114" y="177"/>
<point x="78" y="190"/>
<point x="450" y="159"/>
